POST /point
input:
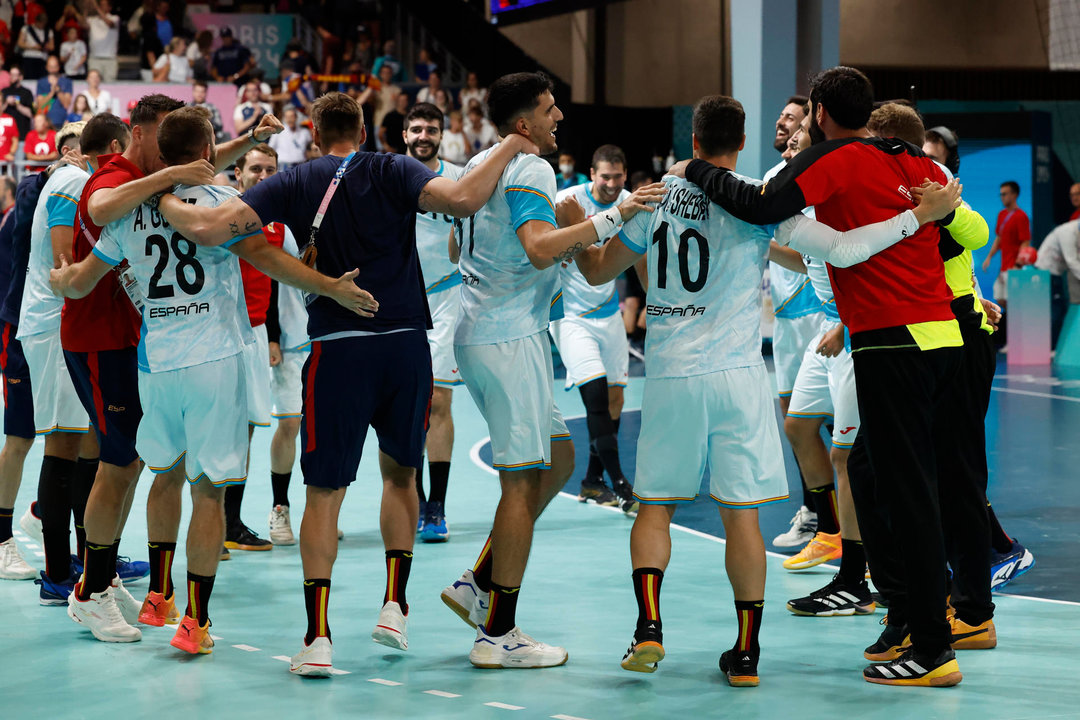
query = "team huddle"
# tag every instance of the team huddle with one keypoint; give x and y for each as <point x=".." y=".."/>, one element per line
<point x="434" y="276"/>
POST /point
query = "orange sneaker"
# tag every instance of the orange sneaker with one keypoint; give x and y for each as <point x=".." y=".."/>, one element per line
<point x="972" y="637"/>
<point x="193" y="639"/>
<point x="821" y="549"/>
<point x="157" y="610"/>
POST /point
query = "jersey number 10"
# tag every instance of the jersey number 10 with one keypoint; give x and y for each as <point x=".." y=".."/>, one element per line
<point x="184" y="250"/>
<point x="660" y="240"/>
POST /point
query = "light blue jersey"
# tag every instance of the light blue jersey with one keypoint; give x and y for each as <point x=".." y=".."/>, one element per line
<point x="292" y="312"/>
<point x="432" y="236"/>
<point x="705" y="267"/>
<point x="194" y="310"/>
<point x="503" y="297"/>
<point x="579" y="297"/>
<point x="40" y="311"/>
<point x="790" y="291"/>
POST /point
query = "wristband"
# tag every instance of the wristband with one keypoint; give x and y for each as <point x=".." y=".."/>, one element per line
<point x="251" y="137"/>
<point x="607" y="223"/>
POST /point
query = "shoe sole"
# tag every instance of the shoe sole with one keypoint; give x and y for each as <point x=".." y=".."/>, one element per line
<point x="249" y="548"/>
<point x="743" y="680"/>
<point x="193" y="649"/>
<point x="389" y="637"/>
<point x="498" y="666"/>
<point x="285" y="541"/>
<point x="52" y="602"/>
<point x="434" y="537"/>
<point x="845" y="612"/>
<point x="96" y="634"/>
<point x="312" y="671"/>
<point x="801" y="543"/>
<point x="613" y="503"/>
<point x="807" y="564"/>
<point x="947" y="675"/>
<point x="644" y="658"/>
<point x="460" y="611"/>
<point x="985" y="640"/>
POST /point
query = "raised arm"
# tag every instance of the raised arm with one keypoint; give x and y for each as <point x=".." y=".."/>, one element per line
<point x="229" y="152"/>
<point x="76" y="281"/>
<point x="109" y="204"/>
<point x="462" y="198"/>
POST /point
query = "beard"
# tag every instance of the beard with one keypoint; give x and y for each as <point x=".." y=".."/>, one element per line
<point x="423" y="151"/>
<point x="780" y="143"/>
<point x="817" y="135"/>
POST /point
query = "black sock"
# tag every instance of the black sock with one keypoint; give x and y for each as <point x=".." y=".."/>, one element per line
<point x="824" y="499"/>
<point x="317" y="601"/>
<point x="398" y="564"/>
<point x="999" y="540"/>
<point x="807" y="498"/>
<point x="852" y="562"/>
<point x="6" y="515"/>
<point x="440" y="478"/>
<point x="749" y="612"/>
<point x="607" y="447"/>
<point x="420" y="483"/>
<point x="97" y="572"/>
<point x="234" y="497"/>
<point x="279" y="483"/>
<point x="54" y="504"/>
<point x="482" y="568"/>
<point x="161" y="559"/>
<point x="595" y="470"/>
<point x="502" y="613"/>
<point x="647" y="591"/>
<point x="199" y="589"/>
<point x="81" y="483"/>
<point x="115" y="553"/>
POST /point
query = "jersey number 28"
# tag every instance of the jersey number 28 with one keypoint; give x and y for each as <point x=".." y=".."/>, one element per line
<point x="660" y="240"/>
<point x="184" y="250"/>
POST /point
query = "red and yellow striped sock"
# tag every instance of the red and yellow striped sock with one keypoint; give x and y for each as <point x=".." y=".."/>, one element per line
<point x="199" y="589"/>
<point x="398" y="564"/>
<point x="482" y="568"/>
<point x="502" y="610"/>
<point x="749" y="612"/>
<point x="161" y="560"/>
<point x="317" y="600"/>
<point x="647" y="591"/>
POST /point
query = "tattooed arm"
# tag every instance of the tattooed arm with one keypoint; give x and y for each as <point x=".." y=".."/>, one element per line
<point x="210" y="226"/>
<point x="108" y="204"/>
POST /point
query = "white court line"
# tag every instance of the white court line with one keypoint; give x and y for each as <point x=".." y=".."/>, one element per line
<point x="380" y="681"/>
<point x="566" y="717"/>
<point x="504" y="706"/>
<point x="283" y="658"/>
<point x="336" y="671"/>
<point x="246" y="648"/>
<point x="32" y="546"/>
<point x="39" y="554"/>
<point x="1032" y="393"/>
<point x="440" y="693"/>
<point x="17" y="534"/>
<point x="474" y="455"/>
<point x="215" y="638"/>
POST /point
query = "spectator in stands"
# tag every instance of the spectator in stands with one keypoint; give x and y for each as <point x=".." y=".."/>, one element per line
<point x="1013" y="231"/>
<point x="54" y="93"/>
<point x="386" y="98"/>
<point x="36" y="41"/>
<point x="103" y="29"/>
<point x="568" y="175"/>
<point x="314" y="152"/>
<point x="389" y="58"/>
<point x="424" y="67"/>
<point x="249" y="112"/>
<point x="479" y="131"/>
<point x="5" y="41"/>
<point x="392" y="129"/>
<point x="434" y="85"/>
<point x="100" y="100"/>
<point x="473" y="91"/>
<point x="173" y="66"/>
<point x="41" y="142"/>
<point x="298" y="60"/>
<point x="232" y="61"/>
<point x="71" y="19"/>
<point x="150" y="45"/>
<point x="443" y="102"/>
<point x="639" y="178"/>
<point x="454" y="148"/>
<point x="73" y="54"/>
<point x="1059" y="254"/>
<point x="198" y="99"/>
<point x="364" y="52"/>
<point x="1074" y="198"/>
<point x="80" y="110"/>
<point x="163" y="23"/>
<point x="200" y="55"/>
<point x="23" y="13"/>
<point x="19" y="102"/>
<point x="9" y="136"/>
<point x="292" y="142"/>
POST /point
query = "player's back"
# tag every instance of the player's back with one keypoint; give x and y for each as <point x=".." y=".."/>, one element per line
<point x="579" y="297"/>
<point x="705" y="268"/>
<point x="432" y="235"/>
<point x="194" y="310"/>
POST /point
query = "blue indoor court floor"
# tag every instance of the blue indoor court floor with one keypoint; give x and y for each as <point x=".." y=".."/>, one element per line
<point x="577" y="594"/>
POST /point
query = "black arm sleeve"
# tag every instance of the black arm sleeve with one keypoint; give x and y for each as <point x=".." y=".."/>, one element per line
<point x="273" y="323"/>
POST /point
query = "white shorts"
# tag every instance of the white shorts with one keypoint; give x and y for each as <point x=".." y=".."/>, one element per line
<point x="257" y="366"/>
<point x="445" y="310"/>
<point x="1001" y="286"/>
<point x="592" y="348"/>
<point x="197" y="415"/>
<point x="790" y="337"/>
<point x="825" y="388"/>
<point x="286" y="386"/>
<point x="57" y="407"/>
<point x="724" y="421"/>
<point x="513" y="383"/>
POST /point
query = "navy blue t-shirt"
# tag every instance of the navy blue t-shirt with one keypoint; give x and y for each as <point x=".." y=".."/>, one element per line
<point x="370" y="225"/>
<point x="230" y="60"/>
<point x="15" y="244"/>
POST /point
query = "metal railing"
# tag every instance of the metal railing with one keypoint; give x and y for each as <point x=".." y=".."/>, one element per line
<point x="19" y="168"/>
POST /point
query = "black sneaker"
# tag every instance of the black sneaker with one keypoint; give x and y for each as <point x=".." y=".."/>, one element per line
<point x="225" y="554"/>
<point x="628" y="503"/>
<point x="740" y="668"/>
<point x="244" y="538"/>
<point x="889" y="644"/>
<point x="595" y="490"/>
<point x="914" y="669"/>
<point x="836" y="598"/>
<point x="646" y="651"/>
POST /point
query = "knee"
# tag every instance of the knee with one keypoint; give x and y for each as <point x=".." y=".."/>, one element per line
<point x="799" y="431"/>
<point x="288" y="429"/>
<point x="839" y="458"/>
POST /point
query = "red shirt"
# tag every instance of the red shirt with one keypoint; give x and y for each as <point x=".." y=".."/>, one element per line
<point x="40" y="145"/>
<point x="105" y="319"/>
<point x="1013" y="229"/>
<point x="1075" y="215"/>
<point x="9" y="133"/>
<point x="257" y="285"/>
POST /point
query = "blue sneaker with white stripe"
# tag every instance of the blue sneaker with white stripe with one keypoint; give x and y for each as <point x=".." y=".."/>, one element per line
<point x="434" y="529"/>
<point x="129" y="570"/>
<point x="55" y="593"/>
<point x="1006" y="567"/>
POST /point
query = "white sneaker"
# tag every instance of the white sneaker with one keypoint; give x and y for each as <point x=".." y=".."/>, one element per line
<point x="468" y="602"/>
<point x="280" y="526"/>
<point x="391" y="630"/>
<point x="803" y="528"/>
<point x="315" y="660"/>
<point x="31" y="525"/>
<point x="130" y="608"/>
<point x="102" y="617"/>
<point x="515" y="649"/>
<point x="12" y="565"/>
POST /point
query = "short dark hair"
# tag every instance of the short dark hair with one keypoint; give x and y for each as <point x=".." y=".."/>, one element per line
<point x="241" y="162"/>
<point x="200" y="83"/>
<point x="424" y="111"/>
<point x="800" y="100"/>
<point x="610" y="154"/>
<point x="898" y="121"/>
<point x="847" y="95"/>
<point x="513" y="95"/>
<point x="183" y="134"/>
<point x="336" y="117"/>
<point x="101" y="130"/>
<point x="718" y="124"/>
<point x="150" y="107"/>
<point x="1012" y="185"/>
<point x="640" y="177"/>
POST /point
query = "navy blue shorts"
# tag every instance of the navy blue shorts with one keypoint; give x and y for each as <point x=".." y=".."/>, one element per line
<point x="107" y="382"/>
<point x="18" y="399"/>
<point x="382" y="381"/>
